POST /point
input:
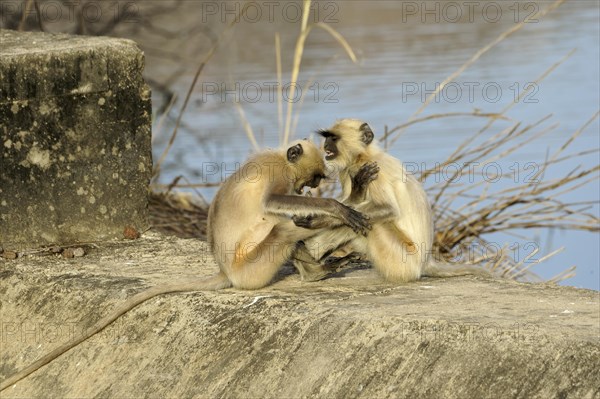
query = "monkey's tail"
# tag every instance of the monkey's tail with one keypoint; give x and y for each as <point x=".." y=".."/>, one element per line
<point x="437" y="269"/>
<point x="216" y="282"/>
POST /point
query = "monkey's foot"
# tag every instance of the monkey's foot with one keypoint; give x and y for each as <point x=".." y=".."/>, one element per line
<point x="315" y="272"/>
<point x="334" y="265"/>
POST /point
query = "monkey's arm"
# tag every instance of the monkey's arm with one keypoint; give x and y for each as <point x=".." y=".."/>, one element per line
<point x="306" y="206"/>
<point x="381" y="214"/>
<point x="377" y="215"/>
<point x="316" y="221"/>
<point x="360" y="182"/>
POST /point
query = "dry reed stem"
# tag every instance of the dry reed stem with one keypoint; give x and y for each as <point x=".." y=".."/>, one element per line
<point x="296" y="68"/>
<point x="339" y="38"/>
<point x="207" y="58"/>
<point x="25" y="14"/>
<point x="305" y="90"/>
<point x="575" y="135"/>
<point x="528" y="89"/>
<point x="473" y="59"/>
<point x="163" y="117"/>
<point x="309" y="83"/>
<point x="297" y="60"/>
<point x="565" y="274"/>
<point x="477" y="114"/>
<point x="279" y="88"/>
<point x="246" y="125"/>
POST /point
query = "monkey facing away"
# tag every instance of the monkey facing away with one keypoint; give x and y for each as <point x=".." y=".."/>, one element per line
<point x="399" y="245"/>
<point x="249" y="228"/>
<point x="250" y="231"/>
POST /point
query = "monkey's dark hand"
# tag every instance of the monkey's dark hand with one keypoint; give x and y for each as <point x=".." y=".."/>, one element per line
<point x="365" y="175"/>
<point x="314" y="221"/>
<point x="360" y="182"/>
<point x="304" y="221"/>
<point x="357" y="221"/>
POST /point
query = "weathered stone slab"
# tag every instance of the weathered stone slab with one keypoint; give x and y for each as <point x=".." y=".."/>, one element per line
<point x="75" y="125"/>
<point x="351" y="336"/>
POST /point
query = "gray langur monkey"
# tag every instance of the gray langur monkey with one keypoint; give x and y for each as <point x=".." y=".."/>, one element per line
<point x="250" y="231"/>
<point x="400" y="243"/>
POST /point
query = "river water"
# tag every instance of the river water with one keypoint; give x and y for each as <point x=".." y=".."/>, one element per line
<point x="403" y="49"/>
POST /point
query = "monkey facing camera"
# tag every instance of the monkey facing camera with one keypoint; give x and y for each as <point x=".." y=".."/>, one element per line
<point x="399" y="245"/>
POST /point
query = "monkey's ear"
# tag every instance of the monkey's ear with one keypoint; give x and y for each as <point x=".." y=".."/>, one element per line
<point x="293" y="153"/>
<point x="367" y="133"/>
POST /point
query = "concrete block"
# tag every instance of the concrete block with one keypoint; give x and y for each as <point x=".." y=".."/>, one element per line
<point x="75" y="137"/>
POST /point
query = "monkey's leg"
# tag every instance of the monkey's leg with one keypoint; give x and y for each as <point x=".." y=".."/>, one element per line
<point x="255" y="265"/>
<point x="394" y="255"/>
<point x="326" y="242"/>
<point x="309" y="257"/>
<point x="336" y="264"/>
<point x="309" y="268"/>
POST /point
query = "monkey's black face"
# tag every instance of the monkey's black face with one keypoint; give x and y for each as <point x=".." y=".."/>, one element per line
<point x="313" y="182"/>
<point x="330" y="146"/>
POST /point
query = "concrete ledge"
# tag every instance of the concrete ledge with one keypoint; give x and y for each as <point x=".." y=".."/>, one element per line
<point x="345" y="337"/>
<point x="74" y="139"/>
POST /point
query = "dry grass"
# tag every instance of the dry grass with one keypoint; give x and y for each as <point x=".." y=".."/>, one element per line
<point x="178" y="214"/>
<point x="466" y="214"/>
<point x="299" y="50"/>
